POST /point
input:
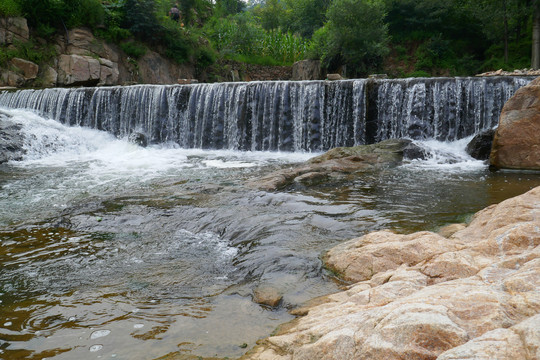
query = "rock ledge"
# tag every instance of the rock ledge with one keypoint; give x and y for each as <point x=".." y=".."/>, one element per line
<point x="473" y="295"/>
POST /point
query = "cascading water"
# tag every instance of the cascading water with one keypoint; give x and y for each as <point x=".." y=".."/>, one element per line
<point x="285" y="116"/>
<point x="445" y="109"/>
<point x="112" y="250"/>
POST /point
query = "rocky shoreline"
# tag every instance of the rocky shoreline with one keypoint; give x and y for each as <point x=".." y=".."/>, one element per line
<point x="469" y="292"/>
<point x="474" y="294"/>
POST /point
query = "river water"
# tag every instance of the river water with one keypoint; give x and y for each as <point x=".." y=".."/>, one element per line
<point x="109" y="250"/>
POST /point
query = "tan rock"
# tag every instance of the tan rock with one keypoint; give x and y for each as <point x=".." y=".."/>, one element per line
<point x="11" y="79"/>
<point x="449" y="230"/>
<point x="521" y="341"/>
<point x="13" y="28"/>
<point x="475" y="295"/>
<point x="333" y="77"/>
<point x="517" y="144"/>
<point x="155" y="69"/>
<point x="28" y="68"/>
<point x="49" y="77"/>
<point x="78" y="70"/>
<point x="361" y="258"/>
<point x="267" y="295"/>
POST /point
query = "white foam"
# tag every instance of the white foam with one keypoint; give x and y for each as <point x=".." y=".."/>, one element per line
<point x="446" y="156"/>
<point x="49" y="143"/>
<point x="99" y="333"/>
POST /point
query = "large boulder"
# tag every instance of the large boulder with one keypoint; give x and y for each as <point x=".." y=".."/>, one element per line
<point x="28" y="68"/>
<point x="49" y="76"/>
<point x="11" y="79"/>
<point x="74" y="70"/>
<point x="155" y="69"/>
<point x="13" y="29"/>
<point x="81" y="41"/>
<point x="475" y="295"/>
<point x="516" y="144"/>
<point x="306" y="70"/>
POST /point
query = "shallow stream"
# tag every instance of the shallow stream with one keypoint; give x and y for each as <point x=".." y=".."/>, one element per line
<point x="109" y="250"/>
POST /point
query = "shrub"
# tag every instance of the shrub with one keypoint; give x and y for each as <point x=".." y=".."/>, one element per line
<point x="9" y="8"/>
<point x="133" y="49"/>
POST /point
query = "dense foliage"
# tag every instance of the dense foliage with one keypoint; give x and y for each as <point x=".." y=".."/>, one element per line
<point x="357" y="37"/>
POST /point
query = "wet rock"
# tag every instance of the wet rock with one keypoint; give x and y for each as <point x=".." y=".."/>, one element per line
<point x="516" y="144"/>
<point x="267" y="295"/>
<point x="138" y="138"/>
<point x="336" y="163"/>
<point x="421" y="296"/>
<point x="11" y="140"/>
<point x="480" y="145"/>
<point x="414" y="152"/>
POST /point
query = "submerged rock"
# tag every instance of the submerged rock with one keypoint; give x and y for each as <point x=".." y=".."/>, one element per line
<point x="516" y="144"/>
<point x="423" y="296"/>
<point x="480" y="145"/>
<point x="11" y="140"/>
<point x="267" y="295"/>
<point x="336" y="163"/>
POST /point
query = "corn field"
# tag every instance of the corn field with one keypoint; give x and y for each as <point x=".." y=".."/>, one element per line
<point x="248" y="39"/>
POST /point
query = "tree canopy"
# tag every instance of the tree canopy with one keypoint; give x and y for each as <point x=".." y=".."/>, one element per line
<point x="400" y="37"/>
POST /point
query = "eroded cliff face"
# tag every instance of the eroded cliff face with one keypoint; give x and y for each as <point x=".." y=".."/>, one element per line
<point x="473" y="294"/>
<point x="83" y="60"/>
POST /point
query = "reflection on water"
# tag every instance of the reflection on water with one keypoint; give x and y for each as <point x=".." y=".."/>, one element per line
<point x="136" y="253"/>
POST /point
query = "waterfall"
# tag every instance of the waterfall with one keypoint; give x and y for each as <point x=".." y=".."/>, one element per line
<point x="444" y="109"/>
<point x="281" y="115"/>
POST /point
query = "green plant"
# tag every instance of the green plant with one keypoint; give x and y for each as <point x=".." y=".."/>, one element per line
<point x="206" y="56"/>
<point x="355" y="35"/>
<point x="418" y="73"/>
<point x="27" y="50"/>
<point x="9" y="8"/>
<point x="133" y="49"/>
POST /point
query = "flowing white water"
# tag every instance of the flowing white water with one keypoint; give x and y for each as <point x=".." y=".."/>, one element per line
<point x="75" y="163"/>
<point x="446" y="156"/>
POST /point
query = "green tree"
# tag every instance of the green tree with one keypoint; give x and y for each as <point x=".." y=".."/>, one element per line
<point x="9" y="8"/>
<point x="535" y="53"/>
<point x="140" y="19"/>
<point x="304" y="17"/>
<point x="270" y="14"/>
<point x="229" y="7"/>
<point x="501" y="19"/>
<point x="355" y="35"/>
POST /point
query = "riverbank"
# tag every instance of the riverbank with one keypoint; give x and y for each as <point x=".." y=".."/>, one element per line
<point x="472" y="294"/>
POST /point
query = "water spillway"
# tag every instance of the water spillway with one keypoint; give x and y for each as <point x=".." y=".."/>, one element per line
<point x="285" y="116"/>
